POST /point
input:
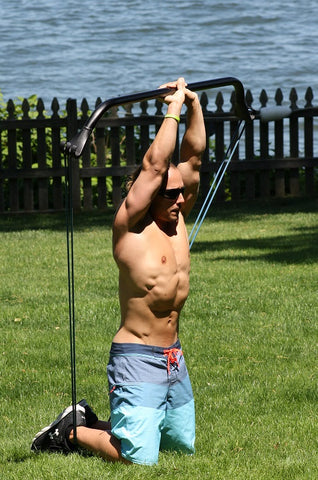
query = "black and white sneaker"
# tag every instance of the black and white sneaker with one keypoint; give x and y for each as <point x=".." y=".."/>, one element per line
<point x="55" y="437"/>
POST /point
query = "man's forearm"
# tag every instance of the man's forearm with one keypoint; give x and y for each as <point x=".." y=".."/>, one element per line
<point x="194" y="140"/>
<point x="162" y="148"/>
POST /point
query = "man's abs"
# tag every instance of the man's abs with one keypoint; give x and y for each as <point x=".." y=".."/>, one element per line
<point x="161" y="330"/>
<point x="151" y="316"/>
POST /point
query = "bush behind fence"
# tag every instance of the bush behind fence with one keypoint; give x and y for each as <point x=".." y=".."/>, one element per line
<point x="273" y="159"/>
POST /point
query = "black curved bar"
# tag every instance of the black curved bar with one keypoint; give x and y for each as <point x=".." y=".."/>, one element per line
<point x="76" y="145"/>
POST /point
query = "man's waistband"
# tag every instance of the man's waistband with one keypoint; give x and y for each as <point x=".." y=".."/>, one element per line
<point x="141" y="349"/>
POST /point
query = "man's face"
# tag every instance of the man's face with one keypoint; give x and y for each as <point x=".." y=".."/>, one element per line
<point x="166" y="205"/>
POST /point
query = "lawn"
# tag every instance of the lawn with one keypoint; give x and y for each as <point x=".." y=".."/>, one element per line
<point x="248" y="331"/>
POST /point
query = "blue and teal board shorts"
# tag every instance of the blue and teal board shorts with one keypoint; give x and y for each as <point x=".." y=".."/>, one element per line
<point x="151" y="401"/>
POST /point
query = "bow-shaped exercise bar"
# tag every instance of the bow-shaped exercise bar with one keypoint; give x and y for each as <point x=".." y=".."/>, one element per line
<point x="76" y="145"/>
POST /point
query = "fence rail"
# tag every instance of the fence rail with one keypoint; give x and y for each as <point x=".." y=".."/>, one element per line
<point x="274" y="159"/>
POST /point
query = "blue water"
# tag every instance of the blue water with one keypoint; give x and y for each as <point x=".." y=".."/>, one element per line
<point x="90" y="48"/>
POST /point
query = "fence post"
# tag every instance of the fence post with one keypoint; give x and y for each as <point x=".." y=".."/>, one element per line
<point x="144" y="130"/>
<point x="71" y="108"/>
<point x="101" y="162"/>
<point x="279" y="150"/>
<point x="309" y="143"/>
<point x="219" y="143"/>
<point x="56" y="156"/>
<point x="210" y="130"/>
<point x="86" y="161"/>
<point x="12" y="161"/>
<point x="294" y="144"/>
<point x="115" y="155"/>
<point x="235" y="187"/>
<point x="41" y="151"/>
<point x="28" y="199"/>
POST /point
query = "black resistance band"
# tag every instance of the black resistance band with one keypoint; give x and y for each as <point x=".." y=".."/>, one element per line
<point x="70" y="270"/>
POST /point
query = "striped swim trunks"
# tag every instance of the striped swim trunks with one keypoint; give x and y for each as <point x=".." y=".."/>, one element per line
<point x="151" y="401"/>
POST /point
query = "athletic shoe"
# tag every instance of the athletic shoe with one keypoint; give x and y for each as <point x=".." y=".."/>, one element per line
<point x="55" y="437"/>
<point x="90" y="416"/>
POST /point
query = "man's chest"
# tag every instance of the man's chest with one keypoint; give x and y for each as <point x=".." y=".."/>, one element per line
<point x="151" y="253"/>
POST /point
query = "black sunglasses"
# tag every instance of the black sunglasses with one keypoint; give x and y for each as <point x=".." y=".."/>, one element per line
<point x="171" y="193"/>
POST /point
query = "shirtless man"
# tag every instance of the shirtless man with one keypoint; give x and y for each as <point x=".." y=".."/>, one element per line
<point x="151" y="399"/>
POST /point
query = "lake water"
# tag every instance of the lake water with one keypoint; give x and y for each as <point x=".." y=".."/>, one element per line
<point x="90" y="48"/>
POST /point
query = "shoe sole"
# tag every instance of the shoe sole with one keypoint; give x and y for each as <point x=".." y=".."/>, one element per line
<point x="65" y="412"/>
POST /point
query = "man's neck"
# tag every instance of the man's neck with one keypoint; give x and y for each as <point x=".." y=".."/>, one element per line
<point x="169" y="228"/>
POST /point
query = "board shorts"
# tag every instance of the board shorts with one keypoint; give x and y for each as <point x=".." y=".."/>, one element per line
<point x="151" y="401"/>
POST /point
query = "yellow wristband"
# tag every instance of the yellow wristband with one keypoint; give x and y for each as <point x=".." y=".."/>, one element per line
<point x="170" y="115"/>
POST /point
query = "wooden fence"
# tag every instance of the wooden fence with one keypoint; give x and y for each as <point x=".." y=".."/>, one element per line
<point x="274" y="159"/>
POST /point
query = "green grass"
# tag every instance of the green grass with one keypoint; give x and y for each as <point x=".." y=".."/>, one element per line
<point x="248" y="330"/>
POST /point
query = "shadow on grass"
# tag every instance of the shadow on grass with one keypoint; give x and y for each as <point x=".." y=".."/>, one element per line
<point x="297" y="248"/>
<point x="231" y="211"/>
<point x="55" y="221"/>
<point x="19" y="457"/>
<point x="300" y="247"/>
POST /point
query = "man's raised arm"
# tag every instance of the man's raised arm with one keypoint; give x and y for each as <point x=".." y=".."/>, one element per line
<point x="192" y="146"/>
<point x="155" y="163"/>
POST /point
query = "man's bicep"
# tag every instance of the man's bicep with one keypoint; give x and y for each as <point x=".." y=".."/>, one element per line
<point x="191" y="180"/>
<point x="190" y="171"/>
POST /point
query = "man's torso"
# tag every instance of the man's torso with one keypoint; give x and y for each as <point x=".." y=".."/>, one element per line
<point x="153" y="283"/>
